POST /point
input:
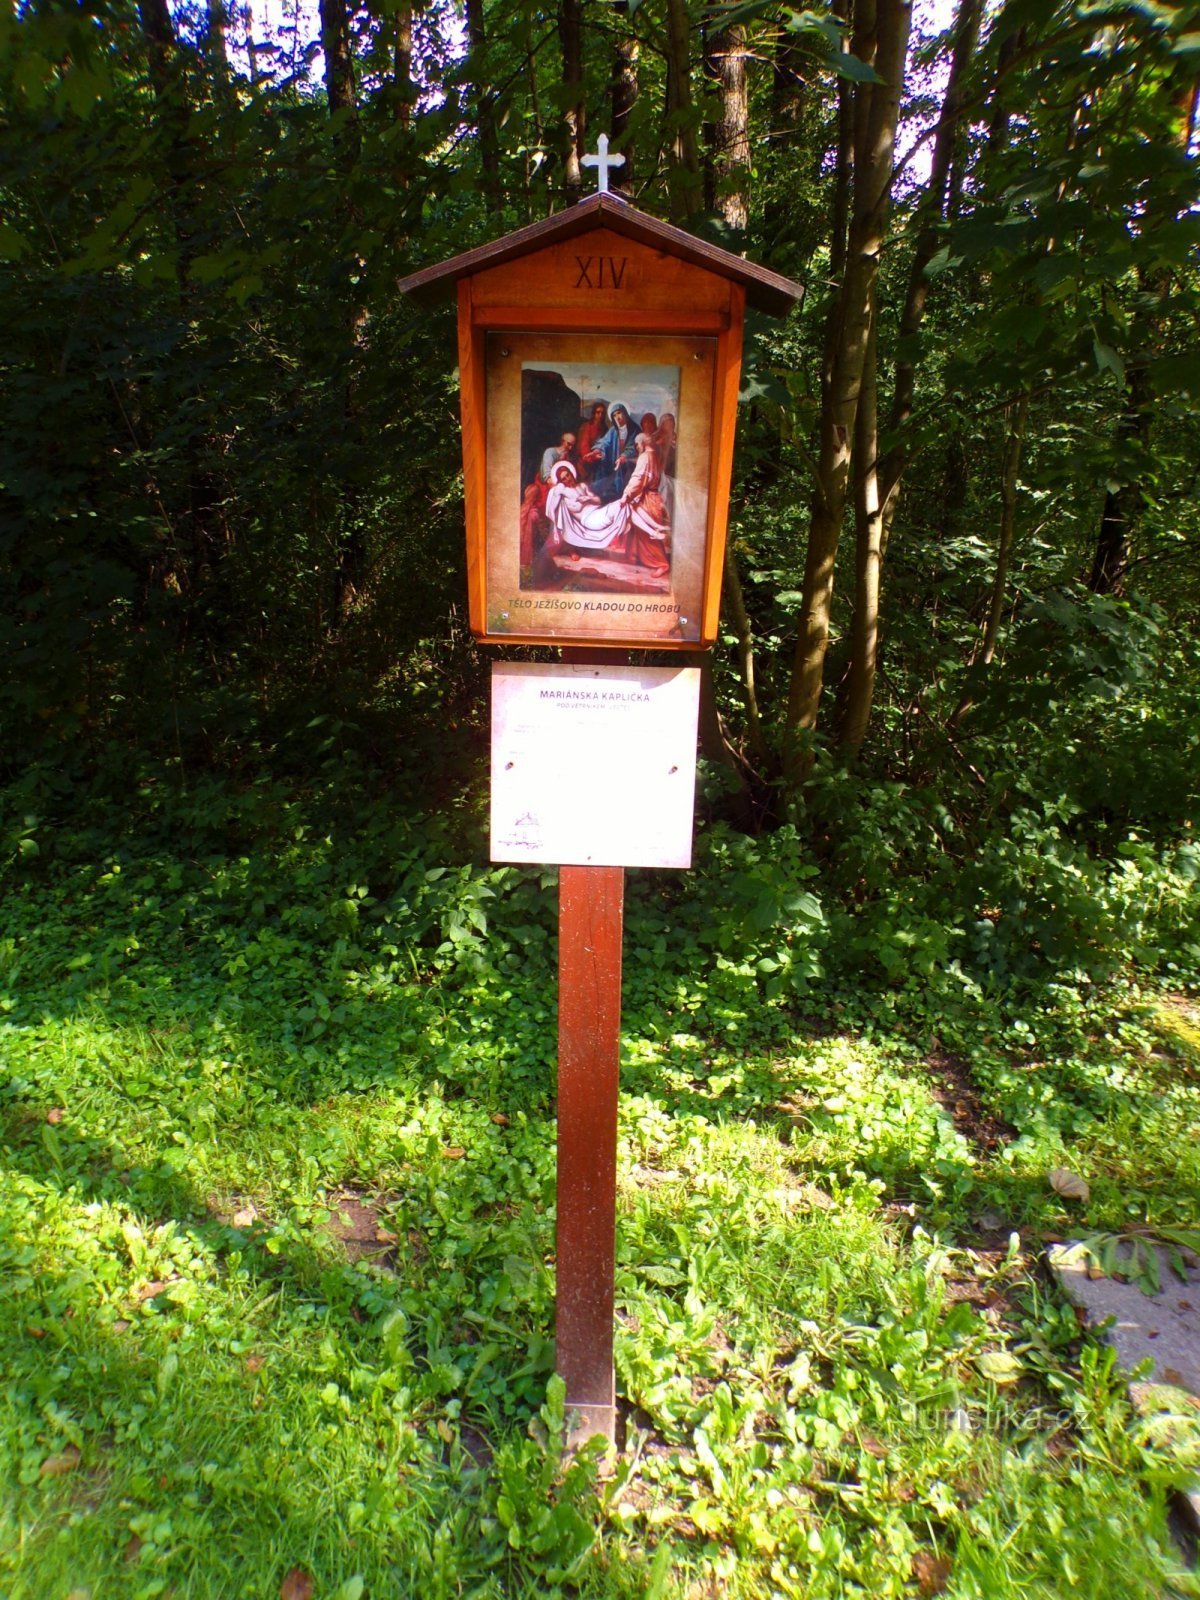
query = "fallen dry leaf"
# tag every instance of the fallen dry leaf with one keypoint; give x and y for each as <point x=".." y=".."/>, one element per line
<point x="55" y="1466"/>
<point x="297" y="1585"/>
<point x="255" y="1363"/>
<point x="133" y="1548"/>
<point x="999" y="1366"/>
<point x="151" y="1291"/>
<point x="246" y="1218"/>
<point x="500" y="1119"/>
<point x="1068" y="1184"/>
<point x="931" y="1572"/>
<point x="55" y="1114"/>
<point x="454" y="1152"/>
<point x="385" y="1236"/>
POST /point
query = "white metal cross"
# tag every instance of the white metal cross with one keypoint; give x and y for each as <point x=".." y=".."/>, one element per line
<point x="603" y="161"/>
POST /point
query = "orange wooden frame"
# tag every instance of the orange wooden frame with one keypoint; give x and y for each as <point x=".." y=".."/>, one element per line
<point x="705" y="305"/>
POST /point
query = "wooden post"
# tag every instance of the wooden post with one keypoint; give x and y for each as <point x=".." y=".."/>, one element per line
<point x="590" y="913"/>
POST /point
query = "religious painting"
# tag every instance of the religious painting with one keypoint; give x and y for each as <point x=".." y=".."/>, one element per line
<point x="598" y="470"/>
<point x="598" y="477"/>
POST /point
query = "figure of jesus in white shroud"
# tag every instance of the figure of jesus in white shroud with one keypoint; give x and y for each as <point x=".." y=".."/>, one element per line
<point x="634" y="526"/>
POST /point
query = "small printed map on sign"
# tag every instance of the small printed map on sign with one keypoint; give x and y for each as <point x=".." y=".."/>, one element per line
<point x="595" y="765"/>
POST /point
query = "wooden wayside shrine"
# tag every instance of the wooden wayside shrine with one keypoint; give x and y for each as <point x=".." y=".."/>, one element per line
<point x="599" y="544"/>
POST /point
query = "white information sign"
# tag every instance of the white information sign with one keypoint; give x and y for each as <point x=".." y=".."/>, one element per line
<point x="593" y="765"/>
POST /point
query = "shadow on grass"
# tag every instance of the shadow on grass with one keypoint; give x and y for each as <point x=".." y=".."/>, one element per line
<point x="184" y="1405"/>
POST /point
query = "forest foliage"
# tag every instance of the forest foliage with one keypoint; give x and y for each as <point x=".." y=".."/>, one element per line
<point x="230" y="478"/>
<point x="962" y="590"/>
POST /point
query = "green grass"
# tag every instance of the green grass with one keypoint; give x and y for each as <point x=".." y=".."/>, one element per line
<point x="276" y="1246"/>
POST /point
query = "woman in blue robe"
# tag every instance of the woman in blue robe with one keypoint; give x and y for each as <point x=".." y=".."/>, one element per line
<point x="614" y="456"/>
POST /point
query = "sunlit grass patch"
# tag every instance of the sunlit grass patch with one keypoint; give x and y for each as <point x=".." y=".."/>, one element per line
<point x="277" y="1244"/>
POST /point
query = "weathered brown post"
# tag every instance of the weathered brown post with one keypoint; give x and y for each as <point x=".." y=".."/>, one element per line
<point x="606" y="295"/>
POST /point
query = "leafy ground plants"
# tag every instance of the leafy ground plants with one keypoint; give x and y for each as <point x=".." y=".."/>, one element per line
<point x="276" y="1234"/>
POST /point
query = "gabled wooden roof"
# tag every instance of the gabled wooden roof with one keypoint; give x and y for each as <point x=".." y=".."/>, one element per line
<point x="765" y="290"/>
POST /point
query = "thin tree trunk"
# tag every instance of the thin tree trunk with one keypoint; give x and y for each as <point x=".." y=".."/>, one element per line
<point x="868" y="555"/>
<point x="843" y="178"/>
<point x="789" y="97"/>
<point x="1000" y="118"/>
<point x="403" y="87"/>
<point x="484" y="113"/>
<point x="159" y="34"/>
<point x="570" y="34"/>
<point x="1123" y="505"/>
<point x="1009" y="470"/>
<point x="843" y="186"/>
<point x="247" y="14"/>
<point x="340" y="96"/>
<point x="216" y="51"/>
<point x="711" y="737"/>
<point x="875" y="153"/>
<point x="622" y="96"/>
<point x="1008" y="521"/>
<point x="339" y="60"/>
<point x="686" y="183"/>
<point x="539" y="132"/>
<point x="933" y="210"/>
<point x="877" y="485"/>
<point x="727" y="177"/>
<point x="193" y="571"/>
<point x="745" y="646"/>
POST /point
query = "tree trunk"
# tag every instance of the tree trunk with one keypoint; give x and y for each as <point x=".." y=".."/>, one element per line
<point x="216" y="52"/>
<point x="875" y="122"/>
<point x="877" y="486"/>
<point x="1010" y="467"/>
<point x="190" y="569"/>
<point x="745" y="644"/>
<point x="536" y="144"/>
<point x="932" y="211"/>
<point x="686" y="183"/>
<point x="403" y="87"/>
<point x="483" y="110"/>
<point x="1000" y="117"/>
<point x="350" y="553"/>
<point x="570" y="34"/>
<point x="339" y="61"/>
<point x="1008" y="522"/>
<point x="159" y="34"/>
<point x="622" y="97"/>
<point x="1123" y="505"/>
<point x="843" y="179"/>
<point x="789" y="96"/>
<point x="712" y="740"/>
<point x="868" y="556"/>
<point x="728" y="167"/>
<point x="247" y="14"/>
